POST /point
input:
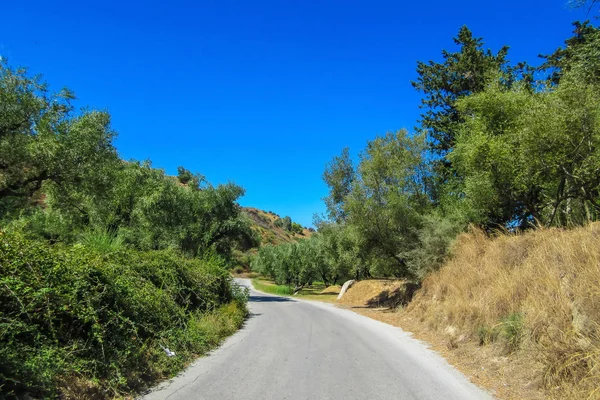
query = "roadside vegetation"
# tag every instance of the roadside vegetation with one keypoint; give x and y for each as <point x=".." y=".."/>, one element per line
<point x="501" y="149"/>
<point x="316" y="291"/>
<point x="112" y="273"/>
<point x="271" y="287"/>
<point x="500" y="146"/>
<point x="532" y="297"/>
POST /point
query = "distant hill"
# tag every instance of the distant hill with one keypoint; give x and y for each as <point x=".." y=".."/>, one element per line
<point x="270" y="233"/>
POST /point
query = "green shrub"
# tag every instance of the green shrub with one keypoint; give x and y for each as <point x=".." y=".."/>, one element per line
<point x="69" y="313"/>
<point x="102" y="240"/>
<point x="509" y="330"/>
<point x="297" y="228"/>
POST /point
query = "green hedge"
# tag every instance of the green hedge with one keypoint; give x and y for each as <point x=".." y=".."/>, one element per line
<point x="73" y="321"/>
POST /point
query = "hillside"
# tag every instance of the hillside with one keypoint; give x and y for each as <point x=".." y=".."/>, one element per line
<point x="263" y="222"/>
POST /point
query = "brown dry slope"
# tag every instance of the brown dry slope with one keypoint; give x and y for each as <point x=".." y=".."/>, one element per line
<point x="264" y="225"/>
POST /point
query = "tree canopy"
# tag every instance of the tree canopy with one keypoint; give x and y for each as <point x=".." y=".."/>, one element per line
<point x="494" y="148"/>
<point x="60" y="176"/>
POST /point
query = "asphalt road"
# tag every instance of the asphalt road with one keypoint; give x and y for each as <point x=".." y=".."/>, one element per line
<point x="291" y="349"/>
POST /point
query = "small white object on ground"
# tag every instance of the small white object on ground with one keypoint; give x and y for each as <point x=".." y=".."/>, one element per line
<point x="169" y="352"/>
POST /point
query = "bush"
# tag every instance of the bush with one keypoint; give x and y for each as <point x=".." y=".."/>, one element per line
<point x="73" y="315"/>
<point x="102" y="240"/>
<point x="296" y="228"/>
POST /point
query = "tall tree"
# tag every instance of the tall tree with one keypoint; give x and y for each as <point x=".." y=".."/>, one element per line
<point x="582" y="51"/>
<point x="462" y="73"/>
<point x="43" y="140"/>
<point x="339" y="175"/>
<point x="532" y="156"/>
<point x="387" y="200"/>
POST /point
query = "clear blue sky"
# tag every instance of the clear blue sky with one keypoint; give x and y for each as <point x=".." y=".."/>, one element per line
<point x="262" y="93"/>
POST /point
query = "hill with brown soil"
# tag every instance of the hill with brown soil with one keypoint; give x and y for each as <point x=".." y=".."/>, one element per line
<point x="264" y="224"/>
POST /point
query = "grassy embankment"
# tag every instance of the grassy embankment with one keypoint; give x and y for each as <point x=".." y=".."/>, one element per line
<point x="78" y="323"/>
<point x="526" y="306"/>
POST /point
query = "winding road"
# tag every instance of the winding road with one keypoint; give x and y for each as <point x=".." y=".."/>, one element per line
<point x="297" y="349"/>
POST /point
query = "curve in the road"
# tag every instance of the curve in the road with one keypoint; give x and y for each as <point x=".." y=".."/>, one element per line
<point x="291" y="349"/>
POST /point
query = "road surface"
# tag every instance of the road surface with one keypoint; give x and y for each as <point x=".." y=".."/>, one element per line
<point x="300" y="350"/>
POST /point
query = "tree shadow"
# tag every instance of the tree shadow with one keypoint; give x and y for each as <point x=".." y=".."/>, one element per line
<point x="397" y="297"/>
<point x="269" y="299"/>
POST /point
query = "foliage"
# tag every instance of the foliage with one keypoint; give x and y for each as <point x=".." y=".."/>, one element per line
<point x="186" y="177"/>
<point x="43" y="140"/>
<point x="580" y="51"/>
<point x="65" y="161"/>
<point x="103" y="261"/>
<point x="339" y="175"/>
<point x="494" y="149"/>
<point x="286" y="264"/>
<point x="383" y="212"/>
<point x="387" y="199"/>
<point x="297" y="228"/>
<point x="71" y="311"/>
<point x="528" y="157"/>
<point x="462" y="73"/>
<point x="102" y="241"/>
<point x="288" y="225"/>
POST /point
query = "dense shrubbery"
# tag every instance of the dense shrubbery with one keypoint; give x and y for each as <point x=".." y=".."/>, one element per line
<point x="495" y="148"/>
<point x="102" y="261"/>
<point x="72" y="313"/>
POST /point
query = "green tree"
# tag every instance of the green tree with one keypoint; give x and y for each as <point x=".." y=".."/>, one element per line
<point x="388" y="198"/>
<point x="581" y="51"/>
<point x="339" y="175"/>
<point x="186" y="177"/>
<point x="286" y="223"/>
<point x="43" y="140"/>
<point x="461" y="73"/>
<point x="529" y="157"/>
<point x="297" y="228"/>
<point x="342" y="252"/>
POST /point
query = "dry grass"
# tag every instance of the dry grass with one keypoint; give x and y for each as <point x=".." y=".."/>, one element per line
<point x="375" y="293"/>
<point x="531" y="299"/>
<point x="335" y="289"/>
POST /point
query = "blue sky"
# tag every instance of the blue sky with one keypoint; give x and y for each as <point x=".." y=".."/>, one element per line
<point x="262" y="93"/>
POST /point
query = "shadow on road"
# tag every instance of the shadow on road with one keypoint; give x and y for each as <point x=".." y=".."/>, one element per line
<point x="269" y="299"/>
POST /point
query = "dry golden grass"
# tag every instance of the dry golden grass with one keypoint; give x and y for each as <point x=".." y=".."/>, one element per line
<point x="533" y="297"/>
<point x="335" y="289"/>
<point x="369" y="292"/>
